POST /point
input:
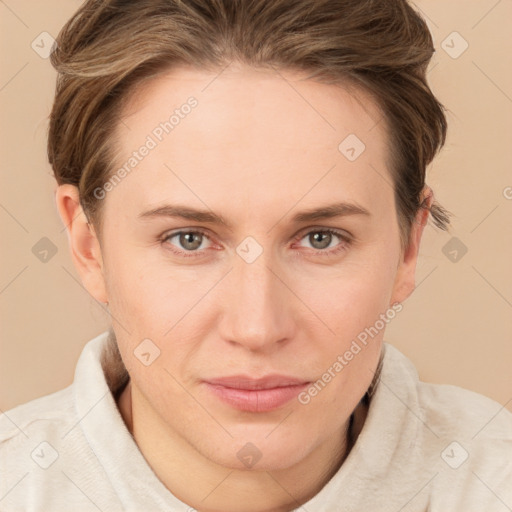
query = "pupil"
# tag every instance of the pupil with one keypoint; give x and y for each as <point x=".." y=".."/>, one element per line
<point x="187" y="240"/>
<point x="325" y="242"/>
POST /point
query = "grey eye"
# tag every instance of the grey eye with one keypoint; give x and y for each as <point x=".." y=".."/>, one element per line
<point x="189" y="241"/>
<point x="320" y="239"/>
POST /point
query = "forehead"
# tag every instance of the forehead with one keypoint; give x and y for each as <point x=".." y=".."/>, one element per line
<point x="252" y="130"/>
<point x="238" y="96"/>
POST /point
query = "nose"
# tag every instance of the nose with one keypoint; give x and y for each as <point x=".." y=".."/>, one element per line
<point x="257" y="306"/>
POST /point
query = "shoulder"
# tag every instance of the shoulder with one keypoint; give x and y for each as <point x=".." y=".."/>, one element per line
<point x="54" y="415"/>
<point x="50" y="412"/>
<point x="461" y="442"/>
<point x="457" y="410"/>
<point x="31" y="440"/>
<point x="450" y="410"/>
<point x="46" y="459"/>
<point x="472" y="444"/>
<point x="32" y="435"/>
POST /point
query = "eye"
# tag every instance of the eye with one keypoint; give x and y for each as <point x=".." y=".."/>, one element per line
<point x="190" y="241"/>
<point x="322" y="239"/>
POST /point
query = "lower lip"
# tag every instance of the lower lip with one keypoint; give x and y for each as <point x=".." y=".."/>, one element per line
<point x="257" y="400"/>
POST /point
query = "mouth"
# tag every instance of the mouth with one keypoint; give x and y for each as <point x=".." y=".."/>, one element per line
<point x="256" y="395"/>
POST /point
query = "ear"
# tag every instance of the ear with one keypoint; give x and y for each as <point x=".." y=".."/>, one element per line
<point x="405" y="282"/>
<point x="84" y="244"/>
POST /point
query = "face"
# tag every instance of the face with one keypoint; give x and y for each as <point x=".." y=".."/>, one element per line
<point x="212" y="253"/>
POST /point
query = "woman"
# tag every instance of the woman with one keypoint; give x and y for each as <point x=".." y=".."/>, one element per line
<point x="243" y="185"/>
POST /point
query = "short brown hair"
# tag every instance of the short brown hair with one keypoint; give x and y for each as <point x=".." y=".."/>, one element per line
<point x="110" y="46"/>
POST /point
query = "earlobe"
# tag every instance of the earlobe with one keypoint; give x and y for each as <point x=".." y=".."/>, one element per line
<point x="83" y="241"/>
<point x="405" y="281"/>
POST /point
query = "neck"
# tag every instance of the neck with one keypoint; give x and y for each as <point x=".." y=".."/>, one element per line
<point x="210" y="487"/>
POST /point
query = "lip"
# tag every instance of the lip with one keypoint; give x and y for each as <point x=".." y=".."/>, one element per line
<point x="256" y="395"/>
<point x="251" y="383"/>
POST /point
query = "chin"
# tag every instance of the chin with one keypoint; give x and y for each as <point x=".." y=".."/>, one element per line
<point x="258" y="451"/>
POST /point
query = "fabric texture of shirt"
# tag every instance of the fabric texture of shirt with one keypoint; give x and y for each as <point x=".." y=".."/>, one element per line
<point x="423" y="447"/>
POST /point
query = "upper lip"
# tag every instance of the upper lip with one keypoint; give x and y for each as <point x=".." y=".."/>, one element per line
<point x="266" y="382"/>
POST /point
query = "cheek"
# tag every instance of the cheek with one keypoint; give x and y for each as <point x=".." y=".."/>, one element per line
<point x="141" y="289"/>
<point x="357" y="309"/>
<point x="150" y="300"/>
<point x="132" y="309"/>
<point x="353" y="298"/>
<point x="354" y="303"/>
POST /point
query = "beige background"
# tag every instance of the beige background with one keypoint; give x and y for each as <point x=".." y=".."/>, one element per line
<point x="457" y="326"/>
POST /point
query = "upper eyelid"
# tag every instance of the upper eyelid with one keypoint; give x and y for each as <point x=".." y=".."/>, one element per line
<point x="315" y="229"/>
<point x="170" y="234"/>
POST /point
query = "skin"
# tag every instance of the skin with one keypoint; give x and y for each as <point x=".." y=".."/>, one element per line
<point x="256" y="152"/>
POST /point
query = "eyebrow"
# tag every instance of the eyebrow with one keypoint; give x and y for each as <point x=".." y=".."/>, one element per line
<point x="206" y="216"/>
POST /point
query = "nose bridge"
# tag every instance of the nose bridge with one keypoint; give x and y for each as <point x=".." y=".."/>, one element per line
<point x="256" y="315"/>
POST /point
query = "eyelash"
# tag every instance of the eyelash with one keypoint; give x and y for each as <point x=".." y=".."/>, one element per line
<point x="346" y="241"/>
